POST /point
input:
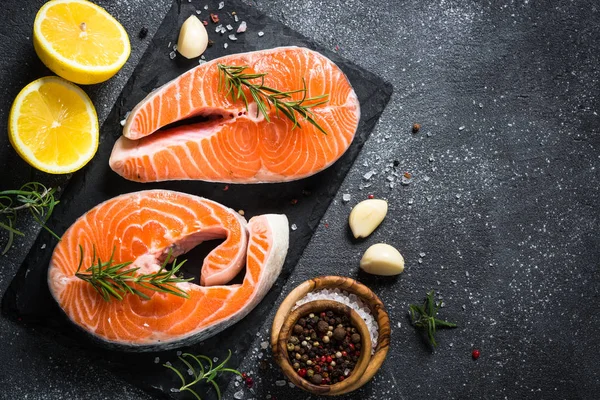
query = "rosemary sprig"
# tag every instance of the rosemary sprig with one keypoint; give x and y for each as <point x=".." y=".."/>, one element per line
<point x="233" y="79"/>
<point x="424" y="317"/>
<point x="115" y="281"/>
<point x="200" y="373"/>
<point x="32" y="196"/>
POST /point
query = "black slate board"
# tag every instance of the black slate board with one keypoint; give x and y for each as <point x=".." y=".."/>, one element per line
<point x="28" y="300"/>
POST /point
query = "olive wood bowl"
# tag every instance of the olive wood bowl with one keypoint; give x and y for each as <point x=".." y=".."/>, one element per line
<point x="316" y="307"/>
<point x="350" y="286"/>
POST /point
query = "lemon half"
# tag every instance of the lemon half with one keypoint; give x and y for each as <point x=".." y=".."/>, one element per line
<point x="80" y="41"/>
<point x="53" y="126"/>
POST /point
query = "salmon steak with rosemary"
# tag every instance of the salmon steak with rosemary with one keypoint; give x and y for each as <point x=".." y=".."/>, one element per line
<point x="273" y="115"/>
<point x="113" y="273"/>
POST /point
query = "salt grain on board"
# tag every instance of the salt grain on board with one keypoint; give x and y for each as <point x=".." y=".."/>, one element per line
<point x="221" y="5"/>
<point x="242" y="27"/>
<point x="232" y="37"/>
<point x="261" y="33"/>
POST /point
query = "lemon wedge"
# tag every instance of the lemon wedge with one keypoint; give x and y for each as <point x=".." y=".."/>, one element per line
<point x="80" y="41"/>
<point x="53" y="126"/>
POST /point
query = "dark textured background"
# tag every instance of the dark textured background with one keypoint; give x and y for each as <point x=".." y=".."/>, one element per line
<point x="503" y="203"/>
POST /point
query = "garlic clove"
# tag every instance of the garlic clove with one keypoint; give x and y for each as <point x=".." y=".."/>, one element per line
<point x="382" y="259"/>
<point x="193" y="38"/>
<point x="366" y="216"/>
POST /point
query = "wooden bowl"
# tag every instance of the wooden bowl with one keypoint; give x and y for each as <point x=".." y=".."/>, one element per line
<point x="282" y="358"/>
<point x="351" y="286"/>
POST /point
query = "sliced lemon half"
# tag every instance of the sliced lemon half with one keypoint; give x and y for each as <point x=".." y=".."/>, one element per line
<point x="53" y="126"/>
<point x="80" y="41"/>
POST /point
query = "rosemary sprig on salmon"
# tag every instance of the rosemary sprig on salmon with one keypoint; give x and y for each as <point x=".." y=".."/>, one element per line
<point x="233" y="79"/>
<point x="32" y="196"/>
<point x="115" y="280"/>
<point x="200" y="372"/>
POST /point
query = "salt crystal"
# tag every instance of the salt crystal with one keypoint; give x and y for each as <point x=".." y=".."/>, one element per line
<point x="458" y="195"/>
<point x="426" y="178"/>
<point x="43" y="246"/>
<point x="168" y="363"/>
<point x="146" y="324"/>
<point x="225" y="45"/>
<point x="390" y="178"/>
<point x="453" y="281"/>
<point x="261" y="33"/>
<point x="198" y="12"/>
<point x="236" y="384"/>
<point x="268" y="396"/>
<point x="290" y="384"/>
<point x="123" y="122"/>
<point x="190" y="372"/>
<point x="294" y="227"/>
<point x="221" y="5"/>
<point x="156" y="360"/>
<point x="421" y="254"/>
<point x="169" y="46"/>
<point x="346" y="197"/>
<point x="431" y="159"/>
<point x="172" y="55"/>
<point x="429" y="198"/>
<point x="179" y="353"/>
<point x="218" y="28"/>
<point x="480" y="105"/>
<point x="411" y="201"/>
<point x="229" y="27"/>
<point x="206" y="7"/>
<point x="236" y="18"/>
<point x="215" y="359"/>
<point x="420" y="261"/>
<point x="264" y="345"/>
<point x="175" y="47"/>
<point x="260" y="355"/>
<point x="242" y="27"/>
<point x="280" y="383"/>
<point x="239" y="394"/>
<point x="174" y="390"/>
<point x="232" y="37"/>
<point x="368" y="175"/>
<point x="467" y="273"/>
<point x="461" y="128"/>
<point x="201" y="61"/>
<point x="399" y="324"/>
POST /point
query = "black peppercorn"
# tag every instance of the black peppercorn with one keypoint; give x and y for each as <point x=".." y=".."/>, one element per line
<point x="339" y="333"/>
<point x="317" y="379"/>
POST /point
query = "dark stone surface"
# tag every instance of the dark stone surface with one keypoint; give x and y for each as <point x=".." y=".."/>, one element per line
<point x="504" y="200"/>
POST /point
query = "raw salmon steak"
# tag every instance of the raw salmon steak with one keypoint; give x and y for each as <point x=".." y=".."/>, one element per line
<point x="236" y="145"/>
<point x="144" y="227"/>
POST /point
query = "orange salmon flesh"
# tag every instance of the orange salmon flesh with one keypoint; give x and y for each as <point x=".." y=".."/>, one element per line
<point x="236" y="145"/>
<point x="143" y="227"/>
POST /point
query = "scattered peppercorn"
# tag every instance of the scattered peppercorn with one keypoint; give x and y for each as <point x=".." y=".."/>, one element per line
<point x="143" y="33"/>
<point x="249" y="381"/>
<point x="475" y="354"/>
<point x="416" y="127"/>
<point x="205" y="23"/>
<point x="371" y="196"/>
<point x="214" y="18"/>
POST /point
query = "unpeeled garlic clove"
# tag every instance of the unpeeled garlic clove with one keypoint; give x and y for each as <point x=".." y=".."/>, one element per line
<point x="193" y="38"/>
<point x="366" y="216"/>
<point x="382" y="259"/>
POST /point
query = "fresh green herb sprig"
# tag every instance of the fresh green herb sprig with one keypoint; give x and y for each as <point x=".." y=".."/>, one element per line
<point x="32" y="196"/>
<point x="114" y="280"/>
<point x="424" y="317"/>
<point x="200" y="372"/>
<point x="233" y="79"/>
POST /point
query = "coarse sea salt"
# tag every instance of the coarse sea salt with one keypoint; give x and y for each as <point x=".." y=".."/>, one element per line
<point x="351" y="300"/>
